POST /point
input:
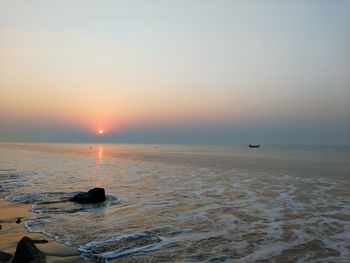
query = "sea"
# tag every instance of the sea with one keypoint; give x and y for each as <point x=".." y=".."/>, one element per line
<point x="186" y="203"/>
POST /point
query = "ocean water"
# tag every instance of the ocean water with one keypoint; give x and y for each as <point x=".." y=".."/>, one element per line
<point x="183" y="203"/>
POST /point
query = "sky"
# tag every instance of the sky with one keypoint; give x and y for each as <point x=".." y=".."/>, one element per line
<point x="225" y="72"/>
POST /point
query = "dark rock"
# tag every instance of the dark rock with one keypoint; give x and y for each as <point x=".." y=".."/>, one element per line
<point x="27" y="252"/>
<point x="4" y="257"/>
<point x="40" y="241"/>
<point x="95" y="195"/>
<point x="18" y="221"/>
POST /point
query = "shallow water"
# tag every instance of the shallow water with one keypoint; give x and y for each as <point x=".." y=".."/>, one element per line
<point x="173" y="203"/>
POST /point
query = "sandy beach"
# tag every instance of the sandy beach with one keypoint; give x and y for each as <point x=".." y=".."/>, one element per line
<point x="11" y="233"/>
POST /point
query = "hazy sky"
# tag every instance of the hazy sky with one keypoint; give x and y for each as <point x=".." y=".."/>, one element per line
<point x="175" y="71"/>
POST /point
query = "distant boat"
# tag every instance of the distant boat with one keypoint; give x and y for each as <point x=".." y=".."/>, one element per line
<point x="254" y="146"/>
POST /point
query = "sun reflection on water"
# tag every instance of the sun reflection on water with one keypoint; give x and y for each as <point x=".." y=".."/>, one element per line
<point x="100" y="152"/>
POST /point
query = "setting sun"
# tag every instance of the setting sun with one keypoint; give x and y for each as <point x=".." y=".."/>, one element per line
<point x="100" y="131"/>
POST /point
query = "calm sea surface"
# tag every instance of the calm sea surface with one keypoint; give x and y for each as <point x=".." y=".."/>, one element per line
<point x="175" y="203"/>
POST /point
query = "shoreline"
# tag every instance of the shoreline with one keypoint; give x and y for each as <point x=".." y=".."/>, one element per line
<point x="11" y="233"/>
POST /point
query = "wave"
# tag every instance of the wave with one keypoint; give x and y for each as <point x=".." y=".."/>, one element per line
<point x="41" y="197"/>
<point x="58" y="202"/>
<point x="119" y="245"/>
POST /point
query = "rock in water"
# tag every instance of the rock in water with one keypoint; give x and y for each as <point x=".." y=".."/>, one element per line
<point x="27" y="252"/>
<point x="4" y="257"/>
<point x="40" y="241"/>
<point x="95" y="195"/>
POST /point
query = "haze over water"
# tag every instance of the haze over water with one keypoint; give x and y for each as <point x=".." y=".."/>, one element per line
<point x="183" y="203"/>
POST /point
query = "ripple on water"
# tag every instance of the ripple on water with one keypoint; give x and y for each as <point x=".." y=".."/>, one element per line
<point x="205" y="215"/>
<point x="118" y="245"/>
<point x="58" y="202"/>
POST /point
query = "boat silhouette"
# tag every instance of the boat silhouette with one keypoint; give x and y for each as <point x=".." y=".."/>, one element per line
<point x="254" y="146"/>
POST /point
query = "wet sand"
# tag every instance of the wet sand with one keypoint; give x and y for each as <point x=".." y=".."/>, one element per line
<point x="11" y="233"/>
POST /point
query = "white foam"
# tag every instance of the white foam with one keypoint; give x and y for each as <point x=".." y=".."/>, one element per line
<point x="101" y="249"/>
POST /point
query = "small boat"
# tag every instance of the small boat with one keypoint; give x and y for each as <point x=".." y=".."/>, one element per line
<point x="254" y="146"/>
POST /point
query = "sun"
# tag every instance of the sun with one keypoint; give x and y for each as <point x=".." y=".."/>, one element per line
<point x="100" y="131"/>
